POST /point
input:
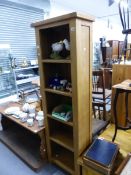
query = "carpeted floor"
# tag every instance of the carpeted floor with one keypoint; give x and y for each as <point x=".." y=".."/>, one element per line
<point x="10" y="164"/>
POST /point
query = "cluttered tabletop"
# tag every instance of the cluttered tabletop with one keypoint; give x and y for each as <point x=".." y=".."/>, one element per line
<point x="24" y="115"/>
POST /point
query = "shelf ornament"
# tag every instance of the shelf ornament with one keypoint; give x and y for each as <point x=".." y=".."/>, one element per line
<point x="60" y="50"/>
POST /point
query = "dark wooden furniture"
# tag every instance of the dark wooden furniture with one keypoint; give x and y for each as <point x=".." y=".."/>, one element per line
<point x="27" y="142"/>
<point x="67" y="140"/>
<point x="114" y="45"/>
<point x="107" y="77"/>
<point x="106" y="54"/>
<point x="120" y="47"/>
<point x="123" y="87"/>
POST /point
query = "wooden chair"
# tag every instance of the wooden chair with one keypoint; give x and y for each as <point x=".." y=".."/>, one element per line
<point x="100" y="94"/>
<point x="99" y="121"/>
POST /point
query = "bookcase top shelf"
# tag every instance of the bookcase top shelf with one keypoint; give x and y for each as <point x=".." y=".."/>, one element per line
<point x="68" y="94"/>
<point x="56" y="61"/>
<point x="64" y="17"/>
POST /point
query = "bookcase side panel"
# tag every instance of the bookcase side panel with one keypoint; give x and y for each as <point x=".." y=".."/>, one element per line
<point x="42" y="85"/>
<point x="81" y="82"/>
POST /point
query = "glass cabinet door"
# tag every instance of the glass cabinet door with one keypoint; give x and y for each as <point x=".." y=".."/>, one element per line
<point x="7" y="81"/>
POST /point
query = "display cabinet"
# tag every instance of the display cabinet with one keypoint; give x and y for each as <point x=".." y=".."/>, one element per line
<point x="24" y="76"/>
<point x="7" y="84"/>
<point x="7" y="81"/>
<point x="66" y="140"/>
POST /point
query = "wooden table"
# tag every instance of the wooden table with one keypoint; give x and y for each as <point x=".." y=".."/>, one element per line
<point x="120" y="73"/>
<point x="27" y="142"/>
<point x="123" y="87"/>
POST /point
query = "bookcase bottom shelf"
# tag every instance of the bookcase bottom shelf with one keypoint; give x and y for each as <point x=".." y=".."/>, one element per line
<point x="62" y="165"/>
<point x="63" y="158"/>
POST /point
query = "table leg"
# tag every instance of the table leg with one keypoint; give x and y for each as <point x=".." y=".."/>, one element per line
<point x="43" y="145"/>
<point x="128" y="121"/>
<point x="115" y="114"/>
<point x="126" y="104"/>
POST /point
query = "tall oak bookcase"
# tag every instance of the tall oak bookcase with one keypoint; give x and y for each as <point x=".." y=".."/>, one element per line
<point x="66" y="140"/>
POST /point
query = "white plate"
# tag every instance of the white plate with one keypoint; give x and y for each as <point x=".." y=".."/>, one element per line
<point x="15" y="116"/>
<point x="12" y="110"/>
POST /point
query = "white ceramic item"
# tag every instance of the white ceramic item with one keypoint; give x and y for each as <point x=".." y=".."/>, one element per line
<point x="25" y="107"/>
<point x="40" y="120"/>
<point x="11" y="110"/>
<point x="32" y="115"/>
<point x="30" y="122"/>
<point x="40" y="113"/>
<point x="23" y="117"/>
<point x="31" y="109"/>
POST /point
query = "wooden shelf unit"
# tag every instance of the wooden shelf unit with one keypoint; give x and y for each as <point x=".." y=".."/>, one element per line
<point x="66" y="140"/>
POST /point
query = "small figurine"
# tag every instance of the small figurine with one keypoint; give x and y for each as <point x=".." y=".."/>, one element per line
<point x="12" y="61"/>
<point x="63" y="83"/>
<point x="24" y="62"/>
<point x="54" y="82"/>
<point x="67" y="44"/>
<point x="69" y="87"/>
<point x="59" y="83"/>
<point x="56" y="47"/>
<point x="65" y="52"/>
<point x="60" y="49"/>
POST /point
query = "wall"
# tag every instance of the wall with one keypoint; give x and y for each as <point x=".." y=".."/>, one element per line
<point x="111" y="32"/>
<point x="42" y="4"/>
<point x="107" y="18"/>
<point x="15" y="21"/>
<point x="98" y="8"/>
